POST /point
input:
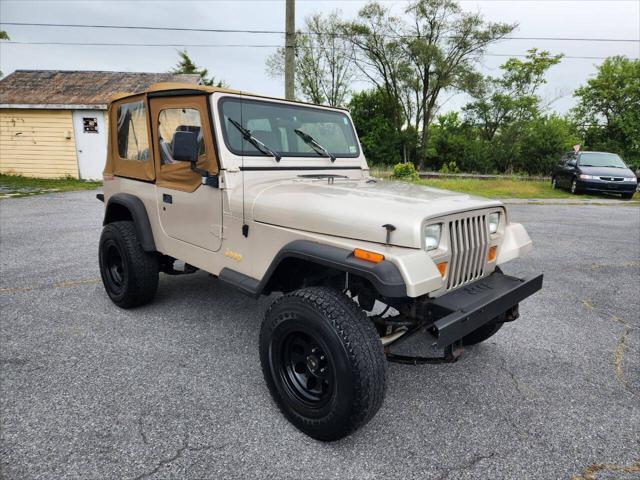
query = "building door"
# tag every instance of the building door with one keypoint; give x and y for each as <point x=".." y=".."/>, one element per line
<point x="91" y="143"/>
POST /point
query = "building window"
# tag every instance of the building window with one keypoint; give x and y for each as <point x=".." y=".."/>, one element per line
<point x="90" y="124"/>
<point x="133" y="141"/>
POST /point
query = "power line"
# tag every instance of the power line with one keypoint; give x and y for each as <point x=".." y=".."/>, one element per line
<point x="281" y="32"/>
<point x="228" y="45"/>
<point x="177" y="45"/>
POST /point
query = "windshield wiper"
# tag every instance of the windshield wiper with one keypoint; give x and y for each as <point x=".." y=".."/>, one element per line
<point x="246" y="134"/>
<point x="309" y="140"/>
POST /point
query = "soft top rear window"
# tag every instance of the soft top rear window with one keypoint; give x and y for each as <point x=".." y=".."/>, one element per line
<point x="275" y="125"/>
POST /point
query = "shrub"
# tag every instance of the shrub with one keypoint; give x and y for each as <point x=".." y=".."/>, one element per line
<point x="405" y="171"/>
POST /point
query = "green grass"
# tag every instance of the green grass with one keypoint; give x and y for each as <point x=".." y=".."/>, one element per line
<point x="12" y="186"/>
<point x="508" y="188"/>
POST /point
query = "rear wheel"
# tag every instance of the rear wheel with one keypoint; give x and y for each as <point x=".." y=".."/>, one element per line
<point x="323" y="362"/>
<point x="129" y="274"/>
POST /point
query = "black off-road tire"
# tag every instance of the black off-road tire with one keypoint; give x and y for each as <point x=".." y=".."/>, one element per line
<point x="485" y="332"/>
<point x="129" y="274"/>
<point x="323" y="324"/>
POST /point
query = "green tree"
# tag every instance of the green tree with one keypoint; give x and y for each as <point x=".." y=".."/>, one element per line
<point x="372" y="112"/>
<point x="415" y="61"/>
<point x="186" y="65"/>
<point x="324" y="61"/>
<point x="608" y="109"/>
<point x="513" y="97"/>
<point x="3" y="36"/>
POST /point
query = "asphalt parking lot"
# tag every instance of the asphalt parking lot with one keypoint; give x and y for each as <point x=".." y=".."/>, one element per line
<point x="174" y="389"/>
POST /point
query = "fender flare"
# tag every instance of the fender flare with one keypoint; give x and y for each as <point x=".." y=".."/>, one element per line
<point x="384" y="276"/>
<point x="138" y="213"/>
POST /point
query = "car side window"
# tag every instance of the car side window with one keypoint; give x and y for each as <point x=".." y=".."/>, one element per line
<point x="172" y="120"/>
<point x="133" y="142"/>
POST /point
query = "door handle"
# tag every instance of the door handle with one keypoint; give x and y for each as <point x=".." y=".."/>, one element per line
<point x="166" y="198"/>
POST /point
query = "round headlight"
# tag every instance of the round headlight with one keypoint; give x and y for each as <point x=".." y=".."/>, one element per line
<point x="432" y="236"/>
<point x="494" y="221"/>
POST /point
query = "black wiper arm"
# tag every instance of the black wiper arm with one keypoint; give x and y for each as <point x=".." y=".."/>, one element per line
<point x="309" y="140"/>
<point x="246" y="134"/>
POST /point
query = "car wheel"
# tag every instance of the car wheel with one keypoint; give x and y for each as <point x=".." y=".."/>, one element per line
<point x="554" y="183"/>
<point x="323" y="362"/>
<point x="574" y="187"/>
<point x="483" y="333"/>
<point x="627" y="196"/>
<point x="129" y="274"/>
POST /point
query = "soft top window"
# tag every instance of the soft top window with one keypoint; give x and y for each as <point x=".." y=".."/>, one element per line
<point x="133" y="142"/>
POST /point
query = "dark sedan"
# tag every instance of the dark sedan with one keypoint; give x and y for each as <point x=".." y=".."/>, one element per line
<point x="597" y="172"/>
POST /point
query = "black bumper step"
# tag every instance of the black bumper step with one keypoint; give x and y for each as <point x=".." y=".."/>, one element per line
<point x="476" y="304"/>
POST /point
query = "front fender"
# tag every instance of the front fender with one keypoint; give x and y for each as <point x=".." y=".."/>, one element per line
<point x="516" y="243"/>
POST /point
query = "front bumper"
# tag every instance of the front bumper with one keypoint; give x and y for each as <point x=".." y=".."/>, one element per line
<point x="476" y="304"/>
<point x="601" y="186"/>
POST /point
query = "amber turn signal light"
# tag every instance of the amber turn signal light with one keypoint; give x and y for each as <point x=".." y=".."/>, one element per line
<point x="368" y="256"/>
<point x="442" y="268"/>
<point x="491" y="256"/>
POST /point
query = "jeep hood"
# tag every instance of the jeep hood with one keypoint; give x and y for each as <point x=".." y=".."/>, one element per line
<point x="357" y="209"/>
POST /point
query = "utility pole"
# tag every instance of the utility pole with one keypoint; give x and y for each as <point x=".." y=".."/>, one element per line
<point x="290" y="51"/>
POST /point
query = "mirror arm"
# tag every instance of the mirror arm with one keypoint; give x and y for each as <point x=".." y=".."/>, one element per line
<point x="207" y="179"/>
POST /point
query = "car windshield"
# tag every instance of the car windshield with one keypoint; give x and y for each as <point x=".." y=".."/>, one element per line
<point x="287" y="129"/>
<point x="597" y="159"/>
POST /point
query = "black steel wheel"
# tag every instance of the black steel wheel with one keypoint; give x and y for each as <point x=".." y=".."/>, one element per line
<point x="129" y="274"/>
<point x="323" y="362"/>
<point x="306" y="369"/>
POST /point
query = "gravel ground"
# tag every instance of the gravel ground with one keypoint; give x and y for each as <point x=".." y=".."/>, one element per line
<point x="174" y="389"/>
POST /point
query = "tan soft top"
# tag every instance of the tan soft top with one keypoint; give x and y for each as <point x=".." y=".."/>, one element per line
<point x="169" y="86"/>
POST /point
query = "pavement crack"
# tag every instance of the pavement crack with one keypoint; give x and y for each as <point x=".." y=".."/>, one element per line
<point x="516" y="383"/>
<point x="621" y="345"/>
<point x="476" y="459"/>
<point x="590" y="472"/>
<point x="143" y="435"/>
<point x="184" y="447"/>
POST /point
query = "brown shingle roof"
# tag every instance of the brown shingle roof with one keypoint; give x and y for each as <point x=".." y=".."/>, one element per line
<point x="60" y="87"/>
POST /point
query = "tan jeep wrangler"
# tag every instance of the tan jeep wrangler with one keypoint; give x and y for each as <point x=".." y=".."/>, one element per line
<point x="272" y="196"/>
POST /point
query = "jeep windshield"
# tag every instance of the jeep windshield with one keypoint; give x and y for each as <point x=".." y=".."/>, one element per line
<point x="278" y="127"/>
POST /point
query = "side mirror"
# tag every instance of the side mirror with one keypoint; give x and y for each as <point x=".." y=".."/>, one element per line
<point x="185" y="146"/>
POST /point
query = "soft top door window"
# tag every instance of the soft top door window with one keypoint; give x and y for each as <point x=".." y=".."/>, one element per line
<point x="182" y="113"/>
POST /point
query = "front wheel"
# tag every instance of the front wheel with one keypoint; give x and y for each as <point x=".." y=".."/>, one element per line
<point x="323" y="362"/>
<point x="483" y="333"/>
<point x="129" y="274"/>
<point x="627" y="196"/>
<point x="574" y="187"/>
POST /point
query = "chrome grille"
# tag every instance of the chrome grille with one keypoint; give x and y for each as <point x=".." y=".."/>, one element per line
<point x="612" y="179"/>
<point x="468" y="241"/>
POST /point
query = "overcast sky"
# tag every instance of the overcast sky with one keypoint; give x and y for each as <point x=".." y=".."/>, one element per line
<point x="244" y="68"/>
